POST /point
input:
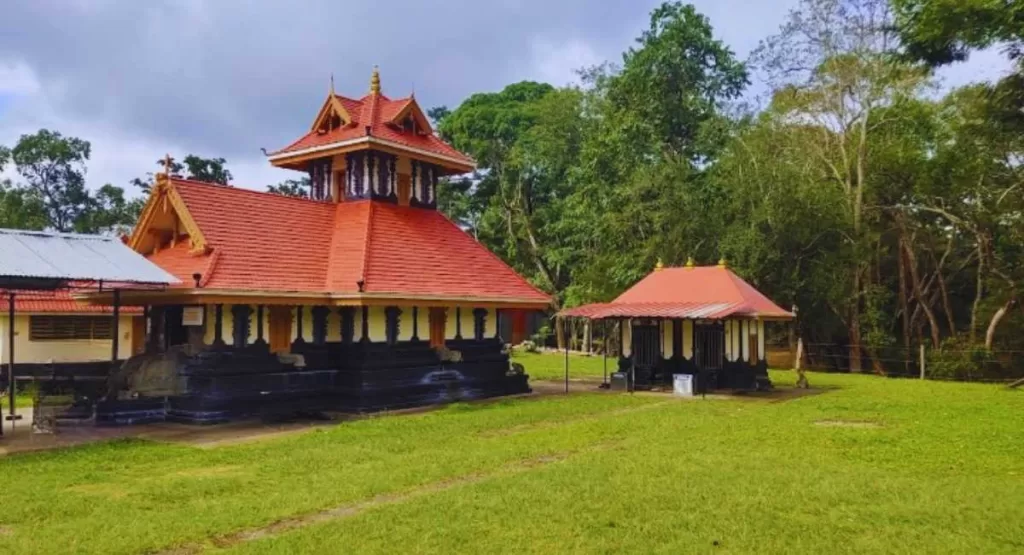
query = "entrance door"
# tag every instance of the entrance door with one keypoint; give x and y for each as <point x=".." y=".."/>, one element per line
<point x="138" y="335"/>
<point x="438" y="323"/>
<point x="709" y="345"/>
<point x="175" y="332"/>
<point x="280" y="329"/>
<point x="646" y="347"/>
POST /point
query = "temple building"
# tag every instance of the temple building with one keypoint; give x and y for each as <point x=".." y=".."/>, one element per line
<point x="361" y="296"/>
<point x="700" y="320"/>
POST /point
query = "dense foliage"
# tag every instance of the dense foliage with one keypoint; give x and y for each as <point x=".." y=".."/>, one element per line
<point x="889" y="214"/>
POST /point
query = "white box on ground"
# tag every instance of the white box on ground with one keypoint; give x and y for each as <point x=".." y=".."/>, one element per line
<point x="682" y="385"/>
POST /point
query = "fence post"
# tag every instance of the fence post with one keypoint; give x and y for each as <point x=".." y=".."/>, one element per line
<point x="922" y="360"/>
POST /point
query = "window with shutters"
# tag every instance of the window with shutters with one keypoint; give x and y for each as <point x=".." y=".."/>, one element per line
<point x="64" y="328"/>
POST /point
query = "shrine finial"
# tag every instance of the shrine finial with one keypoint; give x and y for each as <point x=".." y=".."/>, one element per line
<point x="375" y="81"/>
<point x="721" y="262"/>
<point x="689" y="262"/>
<point x="332" y="85"/>
<point x="659" y="265"/>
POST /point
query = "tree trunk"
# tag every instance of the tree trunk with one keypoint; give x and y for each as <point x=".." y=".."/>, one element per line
<point x="854" y="324"/>
<point x="904" y="305"/>
<point x="979" y="293"/>
<point x="916" y="282"/>
<point x="990" y="335"/>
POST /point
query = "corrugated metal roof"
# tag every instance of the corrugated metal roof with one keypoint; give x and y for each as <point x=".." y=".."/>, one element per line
<point x="654" y="310"/>
<point x="67" y="256"/>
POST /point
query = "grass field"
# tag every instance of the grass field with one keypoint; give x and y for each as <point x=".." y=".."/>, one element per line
<point x="551" y="366"/>
<point x="870" y="465"/>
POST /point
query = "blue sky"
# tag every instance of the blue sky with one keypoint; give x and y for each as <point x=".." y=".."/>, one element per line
<point x="225" y="78"/>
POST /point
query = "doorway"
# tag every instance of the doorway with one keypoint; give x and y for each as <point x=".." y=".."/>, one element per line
<point x="175" y="332"/>
<point x="280" y="331"/>
<point x="438" y="323"/>
<point x="709" y="345"/>
<point x="138" y="335"/>
<point x="646" y="346"/>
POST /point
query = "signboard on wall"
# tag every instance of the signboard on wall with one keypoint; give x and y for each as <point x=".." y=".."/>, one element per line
<point x="192" y="315"/>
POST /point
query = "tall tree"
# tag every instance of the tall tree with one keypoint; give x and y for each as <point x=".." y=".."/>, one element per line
<point x="940" y="32"/>
<point x="831" y="65"/>
<point x="53" y="169"/>
<point x="677" y="78"/>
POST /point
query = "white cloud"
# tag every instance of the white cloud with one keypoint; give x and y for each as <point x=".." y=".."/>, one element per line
<point x="558" y="63"/>
<point x="17" y="78"/>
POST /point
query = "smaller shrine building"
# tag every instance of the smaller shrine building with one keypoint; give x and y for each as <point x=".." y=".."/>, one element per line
<point x="700" y="320"/>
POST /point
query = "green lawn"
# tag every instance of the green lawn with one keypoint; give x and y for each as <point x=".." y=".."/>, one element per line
<point x="552" y="366"/>
<point x="872" y="465"/>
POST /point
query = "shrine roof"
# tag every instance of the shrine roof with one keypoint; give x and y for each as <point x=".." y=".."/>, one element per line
<point x="257" y="241"/>
<point x="711" y="292"/>
<point x="374" y="117"/>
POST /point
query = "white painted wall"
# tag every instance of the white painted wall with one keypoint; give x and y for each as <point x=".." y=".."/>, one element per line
<point x="760" y="340"/>
<point x="688" y="339"/>
<point x="666" y="338"/>
<point x="77" y="350"/>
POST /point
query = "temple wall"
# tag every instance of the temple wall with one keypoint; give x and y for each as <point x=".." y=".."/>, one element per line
<point x="376" y="324"/>
<point x="72" y="350"/>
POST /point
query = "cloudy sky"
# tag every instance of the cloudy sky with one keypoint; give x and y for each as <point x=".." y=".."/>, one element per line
<point x="223" y="78"/>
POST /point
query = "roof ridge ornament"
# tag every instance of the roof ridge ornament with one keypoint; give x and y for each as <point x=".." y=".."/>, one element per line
<point x="375" y="81"/>
<point x="722" y="263"/>
<point x="331" y="91"/>
<point x="659" y="265"/>
<point x="689" y="262"/>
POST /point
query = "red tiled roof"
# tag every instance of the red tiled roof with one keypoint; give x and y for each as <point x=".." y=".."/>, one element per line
<point x="695" y="292"/>
<point x="59" y="301"/>
<point x="376" y="111"/>
<point x="267" y="242"/>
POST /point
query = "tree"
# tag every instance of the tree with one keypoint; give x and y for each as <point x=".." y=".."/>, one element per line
<point x="831" y="66"/>
<point x="53" y="167"/>
<point x="110" y="212"/>
<point x="940" y="32"/>
<point x="678" y="78"/>
<point x="20" y="210"/>
<point x="291" y="187"/>
<point x="211" y="170"/>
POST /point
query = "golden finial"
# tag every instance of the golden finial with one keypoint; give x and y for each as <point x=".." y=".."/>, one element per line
<point x="659" y="265"/>
<point x="689" y="262"/>
<point x="375" y="81"/>
<point x="721" y="262"/>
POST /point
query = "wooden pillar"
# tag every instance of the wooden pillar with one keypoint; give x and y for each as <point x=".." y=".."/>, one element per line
<point x="415" y="323"/>
<point x="115" y="331"/>
<point x="259" y="324"/>
<point x="366" y="324"/>
<point x="497" y="323"/>
<point x="298" y="325"/>
<point x="458" y="322"/>
<point x="218" y="321"/>
<point x="10" y="359"/>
